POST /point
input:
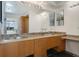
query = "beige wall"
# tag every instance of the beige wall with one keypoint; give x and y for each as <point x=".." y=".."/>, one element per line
<point x="72" y="20"/>
<point x="72" y="27"/>
<point x="39" y="21"/>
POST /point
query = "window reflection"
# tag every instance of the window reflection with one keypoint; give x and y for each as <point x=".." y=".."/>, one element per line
<point x="60" y="18"/>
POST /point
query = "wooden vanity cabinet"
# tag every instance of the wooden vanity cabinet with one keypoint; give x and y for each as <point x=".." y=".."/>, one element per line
<point x="52" y="42"/>
<point x="1" y="50"/>
<point x="26" y="48"/>
<point x="10" y="49"/>
<point x="57" y="43"/>
<point x="17" y="49"/>
<point x="40" y="49"/>
<point x="37" y="47"/>
<point x="43" y="44"/>
<point x="61" y="45"/>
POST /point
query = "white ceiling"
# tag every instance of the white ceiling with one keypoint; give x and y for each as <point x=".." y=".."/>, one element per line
<point x="24" y="7"/>
<point x="46" y="5"/>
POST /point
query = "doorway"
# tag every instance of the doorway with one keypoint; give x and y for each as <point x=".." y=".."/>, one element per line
<point x="24" y="24"/>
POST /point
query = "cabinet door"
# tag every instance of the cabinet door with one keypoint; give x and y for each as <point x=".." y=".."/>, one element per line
<point x="26" y="48"/>
<point x="57" y="43"/>
<point x="21" y="49"/>
<point x="1" y="50"/>
<point x="61" y="46"/>
<point x="52" y="42"/>
<point x="11" y="49"/>
<point x="29" y="47"/>
<point x="40" y="47"/>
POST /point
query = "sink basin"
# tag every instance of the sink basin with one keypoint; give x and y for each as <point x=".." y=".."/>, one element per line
<point x="18" y="37"/>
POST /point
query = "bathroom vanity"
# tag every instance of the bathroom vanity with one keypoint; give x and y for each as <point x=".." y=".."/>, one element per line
<point x="36" y="45"/>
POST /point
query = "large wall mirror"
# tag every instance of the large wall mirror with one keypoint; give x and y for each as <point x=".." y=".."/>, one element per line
<point x="60" y="18"/>
<point x="56" y="18"/>
<point x="11" y="25"/>
<point x="52" y="18"/>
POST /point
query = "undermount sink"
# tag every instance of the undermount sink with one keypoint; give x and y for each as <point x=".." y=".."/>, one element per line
<point x="18" y="37"/>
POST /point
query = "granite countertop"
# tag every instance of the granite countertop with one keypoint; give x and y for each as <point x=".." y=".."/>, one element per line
<point x="30" y="38"/>
<point x="64" y="36"/>
<point x="71" y="37"/>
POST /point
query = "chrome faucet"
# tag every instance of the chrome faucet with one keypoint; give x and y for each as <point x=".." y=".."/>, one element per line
<point x="43" y="29"/>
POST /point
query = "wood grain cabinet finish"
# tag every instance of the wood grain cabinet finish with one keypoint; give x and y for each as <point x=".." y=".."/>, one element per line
<point x="52" y="42"/>
<point x="61" y="44"/>
<point x="1" y="50"/>
<point x="40" y="47"/>
<point x="57" y="43"/>
<point x="17" y="49"/>
<point x="26" y="48"/>
<point x="11" y="49"/>
<point x="43" y="44"/>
